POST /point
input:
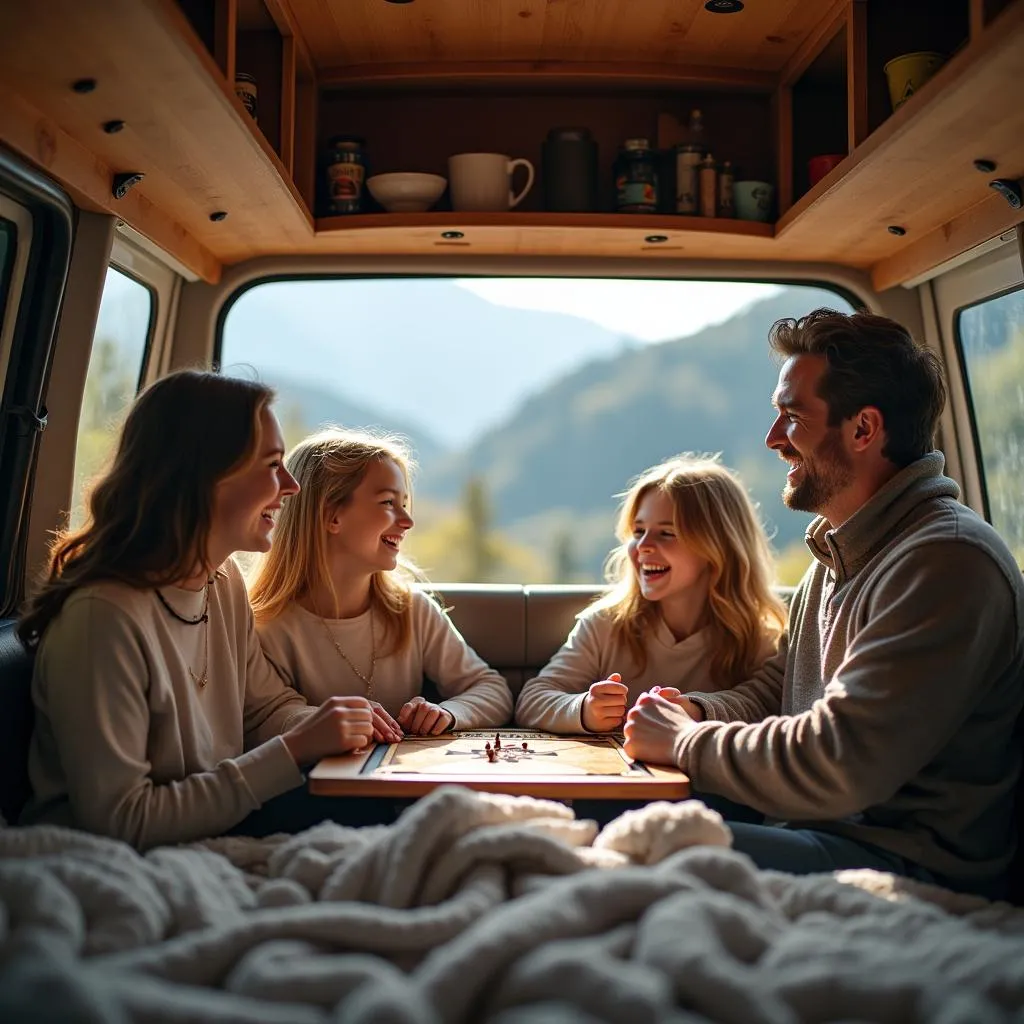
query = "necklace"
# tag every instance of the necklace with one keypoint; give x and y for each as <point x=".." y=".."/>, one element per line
<point x="367" y="680"/>
<point x="204" y="617"/>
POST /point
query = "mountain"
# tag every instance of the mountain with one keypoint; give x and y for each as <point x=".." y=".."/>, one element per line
<point x="463" y="366"/>
<point x="303" y="408"/>
<point x="577" y="443"/>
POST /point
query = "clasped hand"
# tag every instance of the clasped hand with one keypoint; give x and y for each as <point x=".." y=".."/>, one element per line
<point x="656" y="721"/>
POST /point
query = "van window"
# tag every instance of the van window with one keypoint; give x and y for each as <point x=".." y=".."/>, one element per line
<point x="8" y="239"/>
<point x="529" y="402"/>
<point x="116" y="364"/>
<point x="991" y="339"/>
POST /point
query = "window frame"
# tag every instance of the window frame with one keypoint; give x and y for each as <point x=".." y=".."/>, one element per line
<point x="11" y="288"/>
<point x="996" y="271"/>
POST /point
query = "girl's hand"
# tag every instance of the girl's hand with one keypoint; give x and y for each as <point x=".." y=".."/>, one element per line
<point x="695" y="711"/>
<point x="419" y="717"/>
<point x="385" y="728"/>
<point x="338" y="725"/>
<point x="604" y="707"/>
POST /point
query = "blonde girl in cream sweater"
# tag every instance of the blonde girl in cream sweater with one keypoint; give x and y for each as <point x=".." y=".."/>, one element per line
<point x="158" y="719"/>
<point x="335" y="607"/>
<point x="691" y="606"/>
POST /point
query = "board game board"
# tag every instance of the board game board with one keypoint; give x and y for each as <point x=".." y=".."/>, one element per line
<point x="516" y="761"/>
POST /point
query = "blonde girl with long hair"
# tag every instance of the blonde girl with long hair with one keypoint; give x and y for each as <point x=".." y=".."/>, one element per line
<point x="336" y="606"/>
<point x="158" y="719"/>
<point x="691" y="605"/>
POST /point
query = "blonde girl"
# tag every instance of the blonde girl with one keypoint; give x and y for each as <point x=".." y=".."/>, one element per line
<point x="691" y="605"/>
<point x="335" y="605"/>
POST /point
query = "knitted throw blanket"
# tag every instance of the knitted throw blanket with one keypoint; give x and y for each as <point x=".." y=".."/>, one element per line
<point x="476" y="908"/>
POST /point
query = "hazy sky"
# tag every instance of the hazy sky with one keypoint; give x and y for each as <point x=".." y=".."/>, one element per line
<point x="634" y="307"/>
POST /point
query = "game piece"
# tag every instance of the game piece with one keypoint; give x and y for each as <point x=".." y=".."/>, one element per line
<point x="525" y="747"/>
<point x="497" y="741"/>
<point x="491" y="755"/>
<point x="487" y="746"/>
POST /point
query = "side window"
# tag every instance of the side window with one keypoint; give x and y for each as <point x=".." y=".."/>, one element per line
<point x="118" y="358"/>
<point x="15" y="236"/>
<point x="991" y="339"/>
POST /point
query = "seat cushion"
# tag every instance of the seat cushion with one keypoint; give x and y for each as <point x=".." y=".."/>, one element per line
<point x="16" y="717"/>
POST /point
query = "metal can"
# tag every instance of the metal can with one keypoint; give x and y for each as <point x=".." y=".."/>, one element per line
<point x="247" y="91"/>
<point x="688" y="160"/>
<point x="636" y="178"/>
<point x="346" y="171"/>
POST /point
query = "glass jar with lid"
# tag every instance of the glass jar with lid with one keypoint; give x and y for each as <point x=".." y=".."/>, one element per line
<point x="636" y="178"/>
<point x="346" y="174"/>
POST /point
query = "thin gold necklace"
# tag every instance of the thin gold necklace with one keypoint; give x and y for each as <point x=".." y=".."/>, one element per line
<point x="367" y="680"/>
<point x="204" y="618"/>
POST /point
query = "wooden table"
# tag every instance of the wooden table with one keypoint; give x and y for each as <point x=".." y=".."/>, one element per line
<point x="519" y="762"/>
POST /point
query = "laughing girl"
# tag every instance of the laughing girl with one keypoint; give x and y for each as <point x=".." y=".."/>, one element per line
<point x="335" y="605"/>
<point x="691" y="606"/>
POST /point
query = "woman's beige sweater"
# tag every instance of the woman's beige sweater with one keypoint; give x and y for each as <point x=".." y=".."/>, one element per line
<point x="126" y="744"/>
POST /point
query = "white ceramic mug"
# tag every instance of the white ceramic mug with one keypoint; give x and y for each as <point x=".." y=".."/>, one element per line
<point x="483" y="181"/>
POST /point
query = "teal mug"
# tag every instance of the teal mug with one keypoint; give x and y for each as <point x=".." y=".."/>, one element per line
<point x="753" y="200"/>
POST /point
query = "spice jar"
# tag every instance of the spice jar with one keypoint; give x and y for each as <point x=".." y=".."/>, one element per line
<point x="636" y="178"/>
<point x="346" y="171"/>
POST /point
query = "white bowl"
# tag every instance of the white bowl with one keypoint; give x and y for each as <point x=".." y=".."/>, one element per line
<point x="406" y="192"/>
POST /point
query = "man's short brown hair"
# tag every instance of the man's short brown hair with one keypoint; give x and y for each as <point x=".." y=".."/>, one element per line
<point x="874" y="361"/>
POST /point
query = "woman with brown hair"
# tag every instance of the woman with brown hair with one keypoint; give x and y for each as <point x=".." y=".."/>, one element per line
<point x="158" y="720"/>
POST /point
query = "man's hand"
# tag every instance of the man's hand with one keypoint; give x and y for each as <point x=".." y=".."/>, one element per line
<point x="695" y="711"/>
<point x="604" y="706"/>
<point x="653" y="725"/>
<point x="419" y="717"/>
<point x="339" y="724"/>
<point x="385" y="728"/>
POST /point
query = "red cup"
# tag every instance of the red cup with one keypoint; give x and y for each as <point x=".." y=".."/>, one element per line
<point x="819" y="166"/>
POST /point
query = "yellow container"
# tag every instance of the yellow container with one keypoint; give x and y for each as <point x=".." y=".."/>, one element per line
<point x="907" y="73"/>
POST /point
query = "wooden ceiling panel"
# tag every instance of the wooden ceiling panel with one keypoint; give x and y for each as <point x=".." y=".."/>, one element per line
<point x="762" y="37"/>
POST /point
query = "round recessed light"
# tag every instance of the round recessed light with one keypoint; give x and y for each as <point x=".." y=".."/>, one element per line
<point x="398" y="1"/>
<point x="655" y="239"/>
<point x="452" y="235"/>
<point x="724" y="6"/>
<point x="895" y="229"/>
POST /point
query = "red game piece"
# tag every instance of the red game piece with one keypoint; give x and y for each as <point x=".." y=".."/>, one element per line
<point x="525" y="747"/>
<point x="497" y="741"/>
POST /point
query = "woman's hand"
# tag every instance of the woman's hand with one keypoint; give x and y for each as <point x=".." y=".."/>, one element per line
<point x="419" y="717"/>
<point x="338" y="725"/>
<point x="604" y="707"/>
<point x="385" y="728"/>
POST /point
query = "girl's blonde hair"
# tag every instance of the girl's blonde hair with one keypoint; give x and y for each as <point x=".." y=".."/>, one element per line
<point x="714" y="517"/>
<point x="329" y="466"/>
<point x="151" y="512"/>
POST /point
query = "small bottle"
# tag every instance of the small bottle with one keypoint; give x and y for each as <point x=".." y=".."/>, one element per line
<point x="708" y="189"/>
<point x="726" y="207"/>
<point x="688" y="157"/>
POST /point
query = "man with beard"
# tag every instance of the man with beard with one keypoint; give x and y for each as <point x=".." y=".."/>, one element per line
<point x="883" y="734"/>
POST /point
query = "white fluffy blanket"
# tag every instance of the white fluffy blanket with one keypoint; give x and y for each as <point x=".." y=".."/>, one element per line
<point x="480" y="908"/>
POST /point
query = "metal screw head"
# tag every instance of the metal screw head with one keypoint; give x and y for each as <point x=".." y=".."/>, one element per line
<point x="218" y="215"/>
<point x="113" y="127"/>
<point x="895" y="229"/>
<point x="655" y="239"/>
<point x="452" y="234"/>
<point x="84" y="85"/>
<point x="985" y="166"/>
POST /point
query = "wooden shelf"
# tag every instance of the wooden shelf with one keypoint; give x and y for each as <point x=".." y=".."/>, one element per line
<point x="916" y="171"/>
<point x="545" y="234"/>
<point x="185" y="129"/>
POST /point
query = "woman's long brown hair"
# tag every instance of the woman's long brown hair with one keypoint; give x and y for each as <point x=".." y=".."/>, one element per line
<point x="150" y="514"/>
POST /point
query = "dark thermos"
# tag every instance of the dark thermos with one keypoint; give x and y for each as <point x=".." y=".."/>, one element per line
<point x="570" y="171"/>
